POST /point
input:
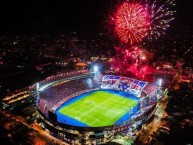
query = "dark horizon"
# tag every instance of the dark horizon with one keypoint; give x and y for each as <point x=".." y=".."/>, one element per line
<point x="33" y="16"/>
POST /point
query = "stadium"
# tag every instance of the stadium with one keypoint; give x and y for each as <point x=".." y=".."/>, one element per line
<point x="83" y="107"/>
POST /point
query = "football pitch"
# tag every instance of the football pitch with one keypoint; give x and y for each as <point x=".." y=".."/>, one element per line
<point x="99" y="108"/>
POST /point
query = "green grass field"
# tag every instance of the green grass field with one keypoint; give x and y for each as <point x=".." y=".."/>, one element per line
<point x="99" y="109"/>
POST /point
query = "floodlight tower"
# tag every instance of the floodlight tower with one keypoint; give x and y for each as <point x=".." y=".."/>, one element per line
<point x="95" y="68"/>
<point x="37" y="90"/>
<point x="160" y="83"/>
<point x="96" y="73"/>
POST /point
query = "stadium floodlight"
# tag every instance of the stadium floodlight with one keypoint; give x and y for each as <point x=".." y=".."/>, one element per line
<point x="160" y="82"/>
<point x="96" y="68"/>
<point x="37" y="85"/>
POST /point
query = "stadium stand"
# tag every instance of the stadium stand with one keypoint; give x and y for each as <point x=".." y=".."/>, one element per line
<point x="147" y="92"/>
<point x="67" y="85"/>
<point x="63" y="92"/>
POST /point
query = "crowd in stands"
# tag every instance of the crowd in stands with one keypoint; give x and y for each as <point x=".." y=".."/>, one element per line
<point x="146" y="92"/>
<point x="128" y="85"/>
<point x="50" y="97"/>
<point x="61" y="91"/>
<point x="150" y="89"/>
<point x="57" y="77"/>
<point x="62" y="76"/>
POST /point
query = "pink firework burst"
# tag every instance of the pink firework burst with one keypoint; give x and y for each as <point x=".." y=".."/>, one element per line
<point x="131" y="22"/>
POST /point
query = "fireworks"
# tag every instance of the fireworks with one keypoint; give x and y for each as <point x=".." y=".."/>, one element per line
<point x="136" y="19"/>
<point x="131" y="22"/>
<point x="131" y="60"/>
<point x="160" y="15"/>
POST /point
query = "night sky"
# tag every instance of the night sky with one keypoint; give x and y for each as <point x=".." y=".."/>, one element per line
<point x="71" y="15"/>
